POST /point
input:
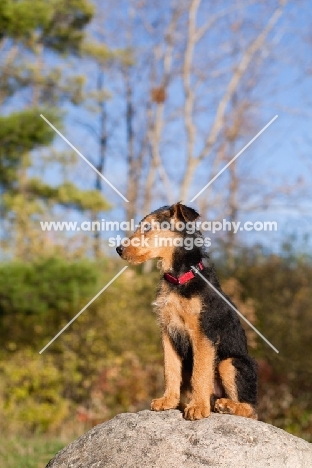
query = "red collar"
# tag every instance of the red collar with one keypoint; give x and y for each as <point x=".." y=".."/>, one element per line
<point x="183" y="278"/>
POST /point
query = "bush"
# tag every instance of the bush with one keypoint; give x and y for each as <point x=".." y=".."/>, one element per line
<point x="36" y="297"/>
<point x="31" y="392"/>
<point x="110" y="359"/>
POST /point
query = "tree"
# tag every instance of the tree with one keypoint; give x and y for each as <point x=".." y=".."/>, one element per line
<point x="94" y="98"/>
<point x="191" y="98"/>
<point x="34" y="30"/>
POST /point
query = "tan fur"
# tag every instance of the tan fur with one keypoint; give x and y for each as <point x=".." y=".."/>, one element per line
<point x="227" y="406"/>
<point x="202" y="377"/>
<point x="182" y="314"/>
<point x="231" y="404"/>
<point x="176" y="311"/>
<point x="159" y="246"/>
<point x="227" y="374"/>
<point x="173" y="377"/>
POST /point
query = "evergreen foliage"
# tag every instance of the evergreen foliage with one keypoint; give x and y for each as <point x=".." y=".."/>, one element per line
<point x="21" y="132"/>
<point x="56" y="24"/>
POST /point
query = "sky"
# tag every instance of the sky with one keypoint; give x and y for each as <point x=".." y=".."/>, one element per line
<point x="279" y="158"/>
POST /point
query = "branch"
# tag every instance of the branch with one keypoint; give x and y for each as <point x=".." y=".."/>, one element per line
<point x="238" y="73"/>
<point x="190" y="127"/>
<point x="156" y="130"/>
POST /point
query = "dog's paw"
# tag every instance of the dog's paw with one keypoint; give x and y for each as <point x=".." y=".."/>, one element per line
<point x="164" y="403"/>
<point x="195" y="411"/>
<point x="225" y="406"/>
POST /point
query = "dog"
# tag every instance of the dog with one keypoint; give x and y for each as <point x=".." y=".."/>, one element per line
<point x="204" y="344"/>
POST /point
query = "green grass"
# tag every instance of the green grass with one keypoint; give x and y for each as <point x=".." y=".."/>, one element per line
<point x="28" y="452"/>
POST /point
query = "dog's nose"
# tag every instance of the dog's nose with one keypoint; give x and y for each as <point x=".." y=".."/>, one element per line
<point x="119" y="249"/>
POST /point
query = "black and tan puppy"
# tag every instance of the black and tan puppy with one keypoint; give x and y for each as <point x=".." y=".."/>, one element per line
<point x="203" y="341"/>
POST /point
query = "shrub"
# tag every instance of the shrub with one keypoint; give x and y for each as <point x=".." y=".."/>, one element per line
<point x="31" y="392"/>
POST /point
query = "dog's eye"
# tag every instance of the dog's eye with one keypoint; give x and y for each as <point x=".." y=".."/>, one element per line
<point x="146" y="227"/>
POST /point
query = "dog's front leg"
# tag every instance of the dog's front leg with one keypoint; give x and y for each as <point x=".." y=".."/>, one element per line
<point x="202" y="377"/>
<point x="173" y="377"/>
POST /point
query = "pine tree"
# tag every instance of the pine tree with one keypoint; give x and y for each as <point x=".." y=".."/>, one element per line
<point x="31" y="31"/>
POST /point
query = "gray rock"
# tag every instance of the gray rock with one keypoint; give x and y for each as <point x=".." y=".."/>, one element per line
<point x="165" y="440"/>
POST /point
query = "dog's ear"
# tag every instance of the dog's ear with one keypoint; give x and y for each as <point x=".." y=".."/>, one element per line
<point x="184" y="213"/>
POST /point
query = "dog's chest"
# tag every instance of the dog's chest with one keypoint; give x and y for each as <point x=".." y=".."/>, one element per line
<point x="176" y="312"/>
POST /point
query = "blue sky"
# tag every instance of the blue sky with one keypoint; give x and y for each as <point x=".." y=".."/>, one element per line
<point x="281" y="157"/>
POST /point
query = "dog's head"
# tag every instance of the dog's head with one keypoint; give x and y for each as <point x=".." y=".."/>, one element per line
<point x="160" y="233"/>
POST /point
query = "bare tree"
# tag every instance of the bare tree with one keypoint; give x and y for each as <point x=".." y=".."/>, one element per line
<point x="190" y="97"/>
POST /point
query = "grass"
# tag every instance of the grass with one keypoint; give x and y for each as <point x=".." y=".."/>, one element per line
<point x="34" y="452"/>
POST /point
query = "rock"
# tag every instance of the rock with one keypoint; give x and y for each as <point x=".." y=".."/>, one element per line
<point x="165" y="440"/>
